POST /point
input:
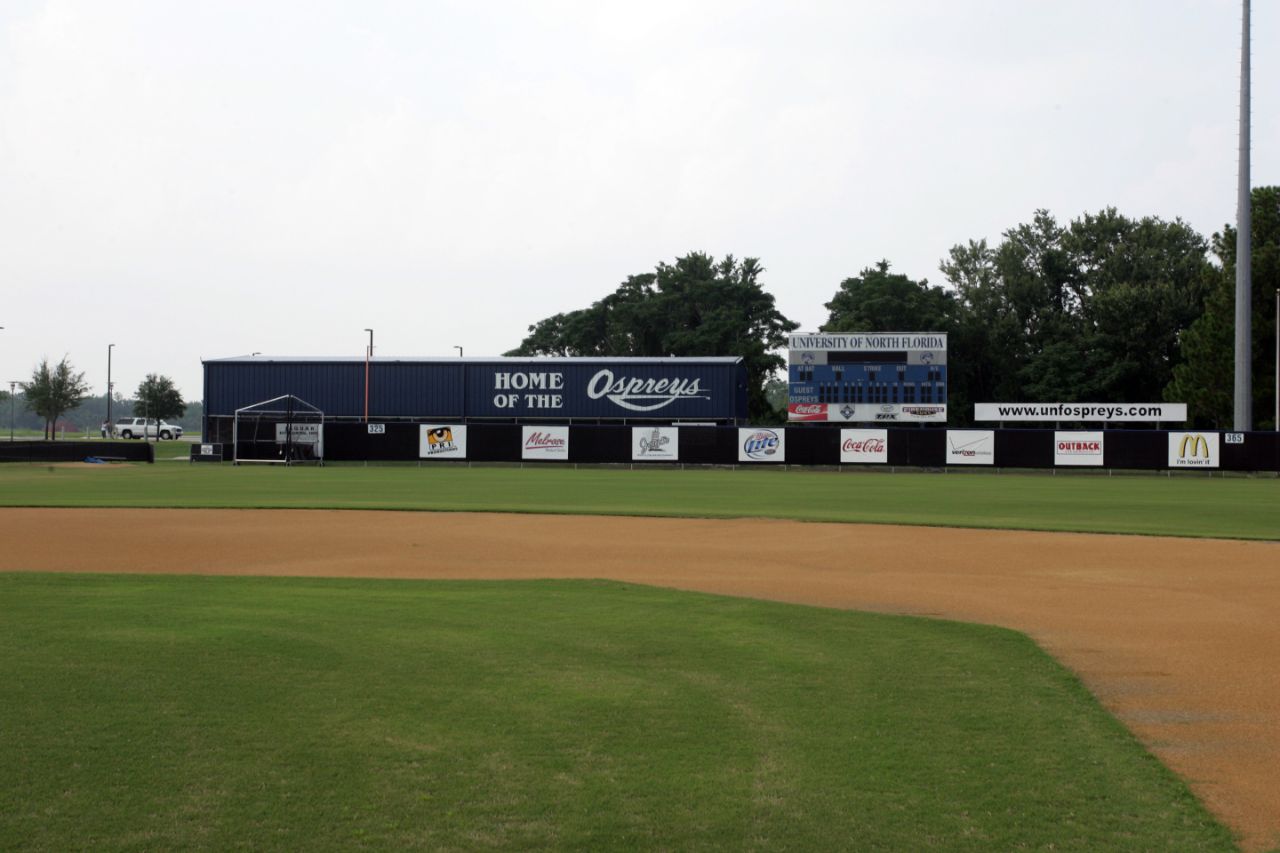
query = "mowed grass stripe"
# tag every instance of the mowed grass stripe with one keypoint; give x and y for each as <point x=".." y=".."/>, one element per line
<point x="1171" y="506"/>
<point x="215" y="713"/>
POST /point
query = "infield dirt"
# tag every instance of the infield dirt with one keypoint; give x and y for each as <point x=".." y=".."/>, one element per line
<point x="1180" y="638"/>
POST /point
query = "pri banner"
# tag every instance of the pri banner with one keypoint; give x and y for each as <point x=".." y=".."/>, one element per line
<point x="971" y="447"/>
<point x="864" y="446"/>
<point x="545" y="443"/>
<point x="1078" y="448"/>
<point x="655" y="444"/>
<point x="1193" y="450"/>
<point x="762" y="445"/>
<point x="442" y="441"/>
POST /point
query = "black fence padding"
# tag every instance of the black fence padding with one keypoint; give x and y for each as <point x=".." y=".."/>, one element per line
<point x="1134" y="448"/>
<point x="919" y="448"/>
<point x="717" y="445"/>
<point x="77" y="451"/>
<point x="601" y="444"/>
<point x="1024" y="448"/>
<point x="1259" y="451"/>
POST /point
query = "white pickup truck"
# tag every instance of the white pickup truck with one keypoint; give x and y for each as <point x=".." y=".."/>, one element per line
<point x="146" y="428"/>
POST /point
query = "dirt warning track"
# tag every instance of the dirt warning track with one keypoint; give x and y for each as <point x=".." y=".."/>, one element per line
<point x="1179" y="638"/>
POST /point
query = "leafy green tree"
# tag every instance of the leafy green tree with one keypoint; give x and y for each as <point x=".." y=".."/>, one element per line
<point x="1092" y="310"/>
<point x="1205" y="379"/>
<point x="696" y="306"/>
<point x="54" y="391"/>
<point x="879" y="301"/>
<point x="159" y="400"/>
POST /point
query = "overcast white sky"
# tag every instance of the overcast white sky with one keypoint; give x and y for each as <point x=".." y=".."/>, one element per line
<point x="204" y="180"/>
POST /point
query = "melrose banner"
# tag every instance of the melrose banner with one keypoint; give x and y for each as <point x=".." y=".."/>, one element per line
<point x="864" y="446"/>
<point x="545" y="443"/>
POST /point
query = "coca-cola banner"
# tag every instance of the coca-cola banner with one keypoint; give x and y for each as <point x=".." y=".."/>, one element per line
<point x="864" y="446"/>
<point x="655" y="444"/>
<point x="1078" y="448"/>
<point x="545" y="443"/>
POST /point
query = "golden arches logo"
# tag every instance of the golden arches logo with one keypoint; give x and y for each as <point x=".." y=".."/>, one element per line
<point x="1197" y="443"/>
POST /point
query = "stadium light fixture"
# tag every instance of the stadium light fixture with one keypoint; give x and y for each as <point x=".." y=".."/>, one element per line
<point x="459" y="349"/>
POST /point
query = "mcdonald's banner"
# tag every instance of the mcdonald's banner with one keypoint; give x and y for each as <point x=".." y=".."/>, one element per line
<point x="1193" y="450"/>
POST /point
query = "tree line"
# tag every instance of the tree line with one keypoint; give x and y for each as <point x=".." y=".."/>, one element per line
<point x="58" y="390"/>
<point x="1103" y="308"/>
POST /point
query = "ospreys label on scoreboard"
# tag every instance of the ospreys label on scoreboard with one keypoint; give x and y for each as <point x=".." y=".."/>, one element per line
<point x="881" y="377"/>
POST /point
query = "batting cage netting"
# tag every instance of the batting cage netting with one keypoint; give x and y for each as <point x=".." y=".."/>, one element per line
<point x="285" y="430"/>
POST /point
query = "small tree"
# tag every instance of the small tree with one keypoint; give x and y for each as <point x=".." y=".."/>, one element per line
<point x="158" y="399"/>
<point x="52" y="392"/>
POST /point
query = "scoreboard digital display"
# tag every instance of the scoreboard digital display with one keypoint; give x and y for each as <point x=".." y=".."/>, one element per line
<point x="867" y="378"/>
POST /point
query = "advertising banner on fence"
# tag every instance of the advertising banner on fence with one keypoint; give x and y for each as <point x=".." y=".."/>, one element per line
<point x="762" y="445"/>
<point x="1077" y="448"/>
<point x="866" y="413"/>
<point x="545" y="442"/>
<point x="864" y="446"/>
<point x="971" y="447"/>
<point x="655" y="444"/>
<point x="1096" y="412"/>
<point x="1193" y="450"/>
<point x="442" y="441"/>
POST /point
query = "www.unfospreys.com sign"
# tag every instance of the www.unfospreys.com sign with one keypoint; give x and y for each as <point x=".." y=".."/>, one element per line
<point x="551" y="391"/>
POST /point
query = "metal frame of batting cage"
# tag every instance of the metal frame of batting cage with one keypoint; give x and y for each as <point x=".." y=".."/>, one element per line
<point x="292" y="407"/>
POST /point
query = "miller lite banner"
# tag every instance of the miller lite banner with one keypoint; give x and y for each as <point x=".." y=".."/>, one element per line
<point x="864" y="446"/>
<point x="442" y="441"/>
<point x="1078" y="448"/>
<point x="761" y="444"/>
<point x="544" y="443"/>
<point x="1193" y="450"/>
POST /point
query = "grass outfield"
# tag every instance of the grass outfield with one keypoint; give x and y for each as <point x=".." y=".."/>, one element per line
<point x="215" y="713"/>
<point x="1172" y="506"/>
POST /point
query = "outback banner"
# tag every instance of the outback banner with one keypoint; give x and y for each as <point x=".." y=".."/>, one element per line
<point x="442" y="441"/>
<point x="1193" y="450"/>
<point x="762" y="445"/>
<point x="655" y="444"/>
<point x="864" y="446"/>
<point x="1078" y="448"/>
<point x="544" y="442"/>
<point x="971" y="447"/>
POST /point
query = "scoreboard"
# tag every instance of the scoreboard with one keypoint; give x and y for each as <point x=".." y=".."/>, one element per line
<point x="867" y="378"/>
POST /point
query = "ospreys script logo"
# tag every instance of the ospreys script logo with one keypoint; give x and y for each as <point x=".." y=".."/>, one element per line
<point x="643" y="395"/>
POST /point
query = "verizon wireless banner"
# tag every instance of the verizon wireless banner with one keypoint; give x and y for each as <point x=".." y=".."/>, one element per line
<point x="864" y="446"/>
<point x="545" y="443"/>
<point x="1078" y="448"/>
<point x="971" y="447"/>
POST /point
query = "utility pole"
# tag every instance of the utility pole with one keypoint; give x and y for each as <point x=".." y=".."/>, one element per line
<point x="111" y="425"/>
<point x="1243" y="420"/>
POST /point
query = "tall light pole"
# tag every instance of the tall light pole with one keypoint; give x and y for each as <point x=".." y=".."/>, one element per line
<point x="368" y="354"/>
<point x="13" y="384"/>
<point x="459" y="349"/>
<point x="1244" y="255"/>
<point x="110" y="423"/>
